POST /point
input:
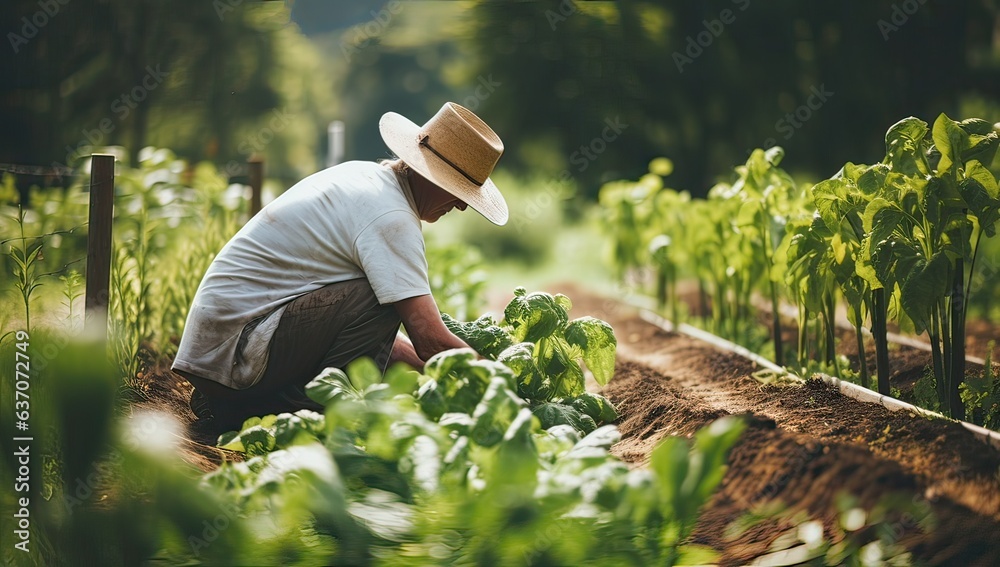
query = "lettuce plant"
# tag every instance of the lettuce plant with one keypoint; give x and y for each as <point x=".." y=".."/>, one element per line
<point x="543" y="350"/>
<point x="386" y="477"/>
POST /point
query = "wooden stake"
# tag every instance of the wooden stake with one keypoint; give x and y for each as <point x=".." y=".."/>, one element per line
<point x="256" y="165"/>
<point x="102" y="193"/>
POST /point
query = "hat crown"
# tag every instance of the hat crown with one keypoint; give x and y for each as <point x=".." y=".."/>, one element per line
<point x="463" y="141"/>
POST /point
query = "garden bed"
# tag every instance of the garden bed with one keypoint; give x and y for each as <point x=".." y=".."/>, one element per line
<point x="806" y="446"/>
<point x="909" y="357"/>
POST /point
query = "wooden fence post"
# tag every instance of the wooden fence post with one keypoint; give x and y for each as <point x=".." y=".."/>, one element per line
<point x="102" y="198"/>
<point x="256" y="166"/>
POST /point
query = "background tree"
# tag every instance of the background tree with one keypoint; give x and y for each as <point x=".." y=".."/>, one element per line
<point x="113" y="71"/>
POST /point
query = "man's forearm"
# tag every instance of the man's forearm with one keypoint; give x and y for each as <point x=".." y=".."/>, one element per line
<point x="429" y="345"/>
<point x="403" y="351"/>
<point x="426" y="330"/>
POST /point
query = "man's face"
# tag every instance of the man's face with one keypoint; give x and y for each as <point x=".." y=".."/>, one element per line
<point x="432" y="201"/>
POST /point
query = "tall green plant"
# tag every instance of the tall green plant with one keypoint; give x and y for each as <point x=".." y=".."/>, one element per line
<point x="811" y="280"/>
<point x="840" y="203"/>
<point x="666" y="249"/>
<point x="25" y="254"/>
<point x="919" y="228"/>
<point x="72" y="290"/>
<point x="767" y="195"/>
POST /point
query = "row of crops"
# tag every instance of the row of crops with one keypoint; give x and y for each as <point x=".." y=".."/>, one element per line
<point x="895" y="242"/>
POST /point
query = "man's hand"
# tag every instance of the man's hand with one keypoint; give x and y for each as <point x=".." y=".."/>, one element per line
<point x="423" y="324"/>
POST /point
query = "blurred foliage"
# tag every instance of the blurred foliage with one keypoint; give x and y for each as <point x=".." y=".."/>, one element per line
<point x="550" y="77"/>
<point x="458" y="280"/>
<point x="704" y="92"/>
<point x="539" y="208"/>
<point x="700" y="82"/>
<point x="215" y="81"/>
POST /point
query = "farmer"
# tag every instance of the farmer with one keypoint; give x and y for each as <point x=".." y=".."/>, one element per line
<point x="326" y="272"/>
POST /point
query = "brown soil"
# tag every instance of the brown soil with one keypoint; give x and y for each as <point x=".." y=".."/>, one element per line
<point x="906" y="364"/>
<point x="979" y="333"/>
<point x="159" y="389"/>
<point x="805" y="447"/>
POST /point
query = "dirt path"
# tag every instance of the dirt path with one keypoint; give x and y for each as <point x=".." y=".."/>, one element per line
<point x="805" y="446"/>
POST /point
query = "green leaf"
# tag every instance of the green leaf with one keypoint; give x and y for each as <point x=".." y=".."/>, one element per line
<point x="950" y="140"/>
<point x="517" y="456"/>
<point x="461" y="379"/>
<point x="289" y="428"/>
<point x="596" y="406"/>
<point x="975" y="170"/>
<point x="829" y="197"/>
<point x="484" y="334"/>
<point x="460" y="423"/>
<point x="904" y="145"/>
<point x="670" y="463"/>
<point x="839" y="248"/>
<point x="313" y="462"/>
<point x="981" y="205"/>
<point x="696" y="554"/>
<point x="983" y="141"/>
<point x="495" y="413"/>
<point x="431" y="401"/>
<point x="331" y="384"/>
<point x="401" y="379"/>
<point x="564" y="302"/>
<point x="534" y="316"/>
<point x="530" y="382"/>
<point x="923" y="286"/>
<point x="872" y="181"/>
<point x="448" y="362"/>
<point x="597" y="340"/>
<point x="713" y="444"/>
<point x="557" y="360"/>
<point x="976" y="126"/>
<point x="774" y="155"/>
<point x="552" y="413"/>
<point x="363" y="373"/>
<point x="254" y="440"/>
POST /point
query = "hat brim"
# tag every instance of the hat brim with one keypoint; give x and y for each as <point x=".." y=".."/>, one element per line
<point x="401" y="134"/>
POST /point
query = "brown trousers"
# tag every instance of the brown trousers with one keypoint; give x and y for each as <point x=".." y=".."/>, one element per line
<point x="329" y="327"/>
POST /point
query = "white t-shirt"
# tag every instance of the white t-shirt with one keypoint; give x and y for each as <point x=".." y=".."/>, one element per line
<point x="354" y="220"/>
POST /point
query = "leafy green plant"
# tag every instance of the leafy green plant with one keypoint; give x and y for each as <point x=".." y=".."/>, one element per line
<point x="857" y="537"/>
<point x="72" y="290"/>
<point x="394" y="478"/>
<point x="981" y="393"/>
<point x="457" y="278"/>
<point x="919" y="226"/>
<point x="896" y="242"/>
<point x="766" y="192"/>
<point x="925" y="390"/>
<point x="544" y="349"/>
<point x="26" y="257"/>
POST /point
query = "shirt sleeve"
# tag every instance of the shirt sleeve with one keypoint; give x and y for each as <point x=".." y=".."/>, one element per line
<point x="391" y="252"/>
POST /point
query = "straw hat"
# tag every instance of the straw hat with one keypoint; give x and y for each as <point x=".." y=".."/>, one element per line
<point x="456" y="151"/>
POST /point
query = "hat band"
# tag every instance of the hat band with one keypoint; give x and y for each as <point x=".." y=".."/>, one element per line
<point x="422" y="140"/>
